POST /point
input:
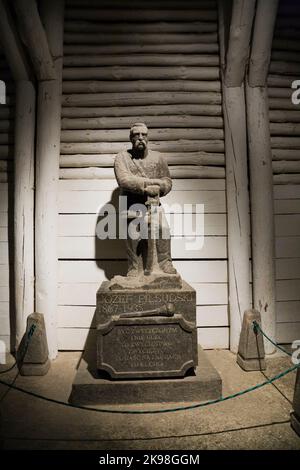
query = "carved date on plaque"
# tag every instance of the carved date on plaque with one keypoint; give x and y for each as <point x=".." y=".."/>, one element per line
<point x="147" y="347"/>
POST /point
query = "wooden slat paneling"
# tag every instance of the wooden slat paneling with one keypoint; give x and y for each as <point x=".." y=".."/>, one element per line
<point x="288" y="332"/>
<point x="284" y="126"/>
<point x="115" y="73"/>
<point x="78" y="225"/>
<point x="4" y="275"/>
<point x="288" y="268"/>
<point x="80" y="271"/>
<point x="110" y="185"/>
<point x="288" y="312"/>
<point x="7" y="114"/>
<point x="182" y="248"/>
<point x="91" y="202"/>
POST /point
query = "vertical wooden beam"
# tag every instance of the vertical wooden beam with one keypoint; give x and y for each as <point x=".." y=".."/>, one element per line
<point x="262" y="218"/>
<point x="47" y="174"/>
<point x="239" y="41"/>
<point x="262" y="42"/>
<point x="238" y="221"/>
<point x="24" y="140"/>
<point x="24" y="204"/>
<point x="261" y="174"/>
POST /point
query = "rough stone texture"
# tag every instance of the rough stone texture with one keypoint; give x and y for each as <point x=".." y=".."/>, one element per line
<point x="147" y="347"/>
<point x="153" y="281"/>
<point x="152" y="346"/>
<point x="251" y="353"/>
<point x="111" y="303"/>
<point x="143" y="176"/>
<point x="32" y="355"/>
<point x="155" y="345"/>
<point x="295" y="415"/>
<point x="35" y="369"/>
<point x="91" y="388"/>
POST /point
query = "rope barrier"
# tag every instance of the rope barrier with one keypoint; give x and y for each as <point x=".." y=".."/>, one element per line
<point x="256" y="328"/>
<point x="29" y="335"/>
<point x="167" y="410"/>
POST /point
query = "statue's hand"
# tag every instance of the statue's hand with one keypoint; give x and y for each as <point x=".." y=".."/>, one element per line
<point x="152" y="190"/>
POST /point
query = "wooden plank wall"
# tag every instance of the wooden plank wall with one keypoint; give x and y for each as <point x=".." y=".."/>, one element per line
<point x="6" y="194"/>
<point x="285" y="132"/>
<point x="151" y="61"/>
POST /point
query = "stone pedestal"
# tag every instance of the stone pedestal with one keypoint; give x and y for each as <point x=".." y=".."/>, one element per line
<point x="91" y="387"/>
<point x="32" y="355"/>
<point x="147" y="347"/>
<point x="150" y="345"/>
<point x="146" y="350"/>
<point x="116" y="302"/>
<point x="251" y="352"/>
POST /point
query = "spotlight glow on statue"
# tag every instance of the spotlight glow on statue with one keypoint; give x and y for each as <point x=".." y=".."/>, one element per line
<point x="144" y="177"/>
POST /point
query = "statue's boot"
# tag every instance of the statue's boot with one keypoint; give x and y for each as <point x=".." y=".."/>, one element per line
<point x="164" y="256"/>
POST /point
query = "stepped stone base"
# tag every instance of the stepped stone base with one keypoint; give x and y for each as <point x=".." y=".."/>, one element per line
<point x="35" y="369"/>
<point x="251" y="364"/>
<point x="91" y="388"/>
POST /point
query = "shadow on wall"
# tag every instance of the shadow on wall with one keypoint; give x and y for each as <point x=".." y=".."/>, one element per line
<point x="110" y="255"/>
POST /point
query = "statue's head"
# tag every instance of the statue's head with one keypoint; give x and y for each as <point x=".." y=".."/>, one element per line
<point x="139" y="137"/>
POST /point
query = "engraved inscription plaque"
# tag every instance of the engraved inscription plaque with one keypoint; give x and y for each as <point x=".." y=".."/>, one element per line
<point x="111" y="303"/>
<point x="147" y="347"/>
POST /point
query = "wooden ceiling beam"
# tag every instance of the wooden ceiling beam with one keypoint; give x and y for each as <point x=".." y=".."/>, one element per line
<point x="12" y="46"/>
<point x="35" y="38"/>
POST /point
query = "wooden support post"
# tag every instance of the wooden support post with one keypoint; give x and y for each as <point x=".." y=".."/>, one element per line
<point x="260" y="162"/>
<point x="261" y="193"/>
<point x="23" y="173"/>
<point x="24" y="204"/>
<point x="262" y="41"/>
<point x="35" y="38"/>
<point x="47" y="173"/>
<point x="261" y="174"/>
<point x="239" y="41"/>
<point x="238" y="221"/>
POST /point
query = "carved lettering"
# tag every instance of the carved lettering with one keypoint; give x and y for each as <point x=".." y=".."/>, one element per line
<point x="147" y="348"/>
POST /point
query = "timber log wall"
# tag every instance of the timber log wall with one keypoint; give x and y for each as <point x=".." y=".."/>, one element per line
<point x="285" y="140"/>
<point x="6" y="202"/>
<point x="157" y="62"/>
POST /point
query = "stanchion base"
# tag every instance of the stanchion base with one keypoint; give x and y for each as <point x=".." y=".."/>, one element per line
<point x="251" y="364"/>
<point x="28" y="368"/>
<point x="295" y="423"/>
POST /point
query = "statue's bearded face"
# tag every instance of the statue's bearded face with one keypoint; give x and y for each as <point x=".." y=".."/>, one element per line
<point x="139" y="138"/>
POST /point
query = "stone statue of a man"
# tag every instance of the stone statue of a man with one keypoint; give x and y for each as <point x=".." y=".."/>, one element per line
<point x="143" y="176"/>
